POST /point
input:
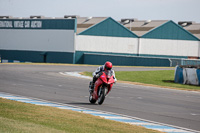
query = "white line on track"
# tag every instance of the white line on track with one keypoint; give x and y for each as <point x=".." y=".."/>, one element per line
<point x="180" y="129"/>
<point x="75" y="74"/>
<point x="106" y="115"/>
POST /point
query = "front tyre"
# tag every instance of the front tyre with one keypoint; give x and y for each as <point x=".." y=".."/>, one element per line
<point x="93" y="101"/>
<point x="101" y="96"/>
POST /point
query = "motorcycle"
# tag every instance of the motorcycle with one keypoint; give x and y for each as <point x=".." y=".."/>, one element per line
<point x="102" y="87"/>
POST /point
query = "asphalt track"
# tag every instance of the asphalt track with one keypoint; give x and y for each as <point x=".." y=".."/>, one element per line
<point x="173" y="107"/>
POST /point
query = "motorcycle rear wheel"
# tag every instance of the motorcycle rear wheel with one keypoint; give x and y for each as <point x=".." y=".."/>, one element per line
<point x="93" y="101"/>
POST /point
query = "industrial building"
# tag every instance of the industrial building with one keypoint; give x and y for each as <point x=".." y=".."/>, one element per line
<point x="106" y="37"/>
<point x="93" y="40"/>
<point x="192" y="27"/>
<point x="37" y="39"/>
<point x="164" y="38"/>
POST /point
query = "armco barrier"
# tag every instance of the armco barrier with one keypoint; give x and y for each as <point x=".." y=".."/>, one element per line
<point x="123" y="60"/>
<point x="187" y="75"/>
<point x="13" y="61"/>
<point x="175" y="62"/>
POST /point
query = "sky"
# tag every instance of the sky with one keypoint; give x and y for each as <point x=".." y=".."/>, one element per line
<point x="176" y="10"/>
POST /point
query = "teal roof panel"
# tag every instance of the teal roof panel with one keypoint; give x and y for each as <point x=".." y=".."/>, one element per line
<point x="170" y="30"/>
<point x="109" y="27"/>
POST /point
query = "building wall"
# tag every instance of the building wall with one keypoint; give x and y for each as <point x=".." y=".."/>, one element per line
<point x="38" y="40"/>
<point x="107" y="44"/>
<point x="199" y="49"/>
<point x="179" y="48"/>
<point x="104" y="45"/>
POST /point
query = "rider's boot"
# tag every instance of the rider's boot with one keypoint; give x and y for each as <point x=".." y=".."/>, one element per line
<point x="92" y="83"/>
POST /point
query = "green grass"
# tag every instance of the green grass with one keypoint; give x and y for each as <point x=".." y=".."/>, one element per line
<point x="161" y="78"/>
<point x="17" y="117"/>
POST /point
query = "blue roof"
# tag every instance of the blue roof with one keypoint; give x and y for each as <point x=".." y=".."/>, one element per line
<point x="109" y="27"/>
<point x="170" y="30"/>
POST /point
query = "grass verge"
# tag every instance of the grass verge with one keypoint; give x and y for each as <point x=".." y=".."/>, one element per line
<point x="17" y="117"/>
<point x="163" y="78"/>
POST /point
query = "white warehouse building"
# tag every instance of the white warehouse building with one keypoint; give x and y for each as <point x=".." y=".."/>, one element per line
<point x="93" y="40"/>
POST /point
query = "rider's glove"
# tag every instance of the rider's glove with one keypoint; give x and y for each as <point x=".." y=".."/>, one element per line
<point x="115" y="80"/>
<point x="98" y="75"/>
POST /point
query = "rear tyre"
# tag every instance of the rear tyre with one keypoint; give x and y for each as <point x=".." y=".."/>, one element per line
<point x="101" y="96"/>
<point x="93" y="101"/>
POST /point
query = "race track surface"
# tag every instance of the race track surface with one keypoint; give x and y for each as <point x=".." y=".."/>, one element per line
<point x="174" y="107"/>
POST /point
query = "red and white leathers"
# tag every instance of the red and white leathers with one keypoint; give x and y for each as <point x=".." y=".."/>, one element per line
<point x="107" y="66"/>
<point x="100" y="69"/>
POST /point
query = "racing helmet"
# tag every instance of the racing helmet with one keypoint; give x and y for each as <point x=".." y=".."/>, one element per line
<point x="108" y="66"/>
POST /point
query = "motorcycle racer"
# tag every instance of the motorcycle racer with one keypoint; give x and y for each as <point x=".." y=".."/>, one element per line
<point x="96" y="73"/>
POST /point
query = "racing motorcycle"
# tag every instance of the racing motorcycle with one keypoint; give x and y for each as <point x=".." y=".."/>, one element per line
<point x="102" y="87"/>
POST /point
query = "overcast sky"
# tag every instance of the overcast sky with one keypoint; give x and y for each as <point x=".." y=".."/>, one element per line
<point x="176" y="10"/>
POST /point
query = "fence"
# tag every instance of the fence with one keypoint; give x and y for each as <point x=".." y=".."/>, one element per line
<point x="175" y="62"/>
<point x="125" y="60"/>
<point x="128" y="60"/>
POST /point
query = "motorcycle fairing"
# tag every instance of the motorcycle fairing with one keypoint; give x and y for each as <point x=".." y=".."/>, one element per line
<point x="105" y="79"/>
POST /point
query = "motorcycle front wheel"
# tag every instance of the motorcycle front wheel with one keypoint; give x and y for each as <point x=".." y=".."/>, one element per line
<point x="101" y="96"/>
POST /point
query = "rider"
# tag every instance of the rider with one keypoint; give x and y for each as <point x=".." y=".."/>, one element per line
<point x="105" y="67"/>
